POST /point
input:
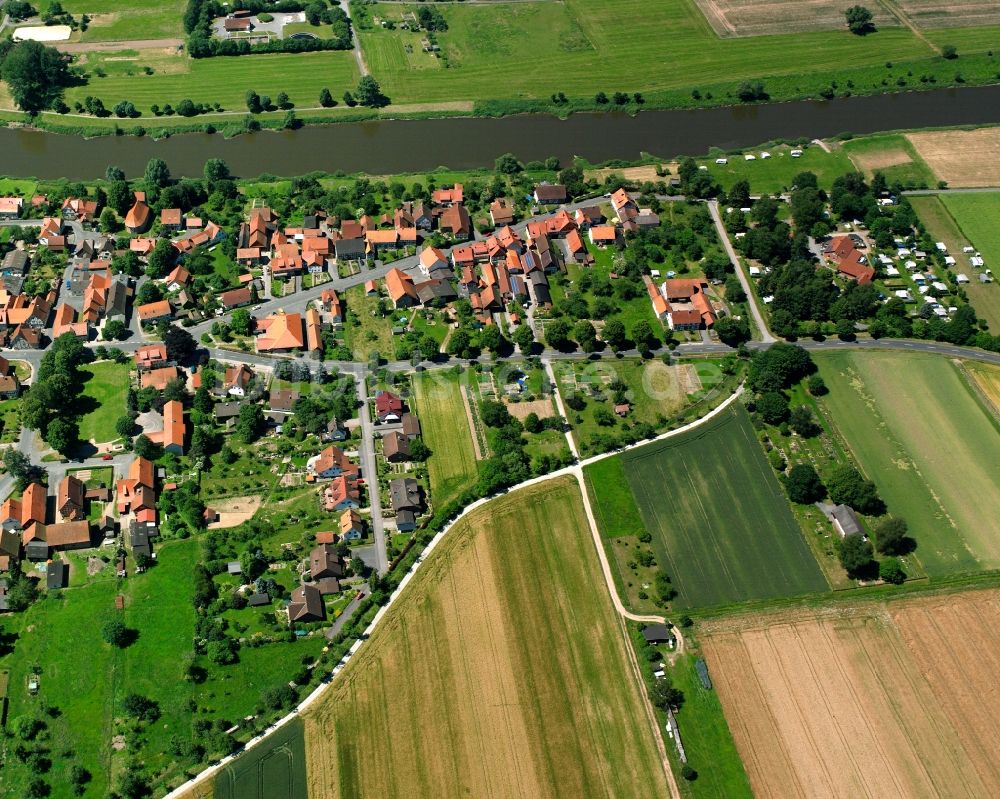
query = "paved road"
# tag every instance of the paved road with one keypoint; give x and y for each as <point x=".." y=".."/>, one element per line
<point x="334" y="629"/>
<point x="758" y="317"/>
<point x="359" y="55"/>
<point x="369" y="469"/>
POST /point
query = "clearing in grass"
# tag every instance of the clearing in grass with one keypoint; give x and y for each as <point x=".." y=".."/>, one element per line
<point x="893" y="155"/>
<point x="103" y="400"/>
<point x="445" y="429"/>
<point x="720" y="522"/>
<point x="367" y="331"/>
<point x="874" y="699"/>
<point x="501" y="671"/>
<point x="767" y="17"/>
<point x="917" y="429"/>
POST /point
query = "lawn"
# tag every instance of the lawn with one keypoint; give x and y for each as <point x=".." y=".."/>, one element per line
<point x="10" y="419"/>
<point x="656" y="393"/>
<point x="707" y="739"/>
<point x="366" y="331"/>
<point x="720" y="522"/>
<point x="86" y="679"/>
<point x="501" y="671"/>
<point x="775" y="174"/>
<point x="919" y="432"/>
<point x="103" y="400"/>
<point x="445" y="428"/>
<point x="141" y="19"/>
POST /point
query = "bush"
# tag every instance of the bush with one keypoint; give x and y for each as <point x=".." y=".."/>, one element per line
<point x="891" y="570"/>
<point x="803" y="485"/>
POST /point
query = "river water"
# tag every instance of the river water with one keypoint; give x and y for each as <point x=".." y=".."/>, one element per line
<point x="393" y="146"/>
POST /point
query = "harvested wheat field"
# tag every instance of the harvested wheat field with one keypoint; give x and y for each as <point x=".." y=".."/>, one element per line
<point x="950" y="14"/>
<point x="962" y="158"/>
<point x="501" y="672"/>
<point x="768" y="17"/>
<point x="986" y="379"/>
<point x="869" y="700"/>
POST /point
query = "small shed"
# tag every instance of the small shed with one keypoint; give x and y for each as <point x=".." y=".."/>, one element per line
<point x="258" y="600"/>
<point x="55" y="575"/>
<point x="233" y="567"/>
<point x="658" y="634"/>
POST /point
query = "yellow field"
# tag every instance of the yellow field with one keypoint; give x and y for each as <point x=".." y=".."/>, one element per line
<point x="962" y="158"/>
<point x="864" y="701"/>
<point x="987" y="379"/>
<point x="501" y="672"/>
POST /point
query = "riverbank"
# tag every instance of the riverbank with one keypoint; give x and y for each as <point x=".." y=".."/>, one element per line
<point x="890" y="80"/>
<point x="390" y="146"/>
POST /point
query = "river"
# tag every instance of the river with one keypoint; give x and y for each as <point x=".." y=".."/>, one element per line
<point x="394" y="146"/>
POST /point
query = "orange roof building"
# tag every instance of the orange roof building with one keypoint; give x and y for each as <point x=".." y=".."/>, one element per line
<point x="139" y="216"/>
<point x="401" y="289"/>
<point x="314" y="341"/>
<point x="174" y="428"/>
<point x="280" y="333"/>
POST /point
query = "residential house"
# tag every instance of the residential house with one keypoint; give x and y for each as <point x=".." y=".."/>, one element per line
<point x="341" y="493"/>
<point x="16" y="262"/>
<point x="174" y="428"/>
<point x="401" y="289"/>
<point x="170" y="218"/>
<point x="306" y="604"/>
<point x="179" y="278"/>
<point x="454" y="195"/>
<point x="236" y="380"/>
<point x="550" y="194"/>
<point x="153" y="312"/>
<point x="388" y="407"/>
<point x="78" y="208"/>
<point x="395" y="447"/>
<point x="501" y="211"/>
<point x="457" y="222"/>
<point x="405" y="495"/>
<point x="313" y="326"/>
<point x="331" y="462"/>
<point x="603" y="235"/>
<point x="689" y="306"/>
<point x="625" y="207"/>
<point x="51" y="234"/>
<point x="325" y="562"/>
<point x="333" y="306"/>
<point x="280" y="333"/>
<point x="589" y="215"/>
<point x="351" y="526"/>
<point x="151" y="356"/>
<point x="282" y="400"/>
<point x="236" y="298"/>
<point x="10" y="207"/>
<point x="433" y="260"/>
<point x="70" y="499"/>
<point x="159" y="378"/>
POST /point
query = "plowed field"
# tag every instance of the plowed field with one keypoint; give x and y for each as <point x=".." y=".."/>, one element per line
<point x="867" y="700"/>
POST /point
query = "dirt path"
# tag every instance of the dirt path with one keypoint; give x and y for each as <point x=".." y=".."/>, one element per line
<point x="111" y="47"/>
<point x="905" y="21"/>
<point x="472" y="424"/>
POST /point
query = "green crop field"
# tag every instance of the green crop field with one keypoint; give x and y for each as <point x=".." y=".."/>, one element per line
<point x="501" y="670"/>
<point x="529" y="50"/>
<point x="274" y="769"/>
<point x="720" y="522"/>
<point x="211" y="80"/>
<point x="445" y="429"/>
<point x="918" y="431"/>
<point x="103" y="400"/>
